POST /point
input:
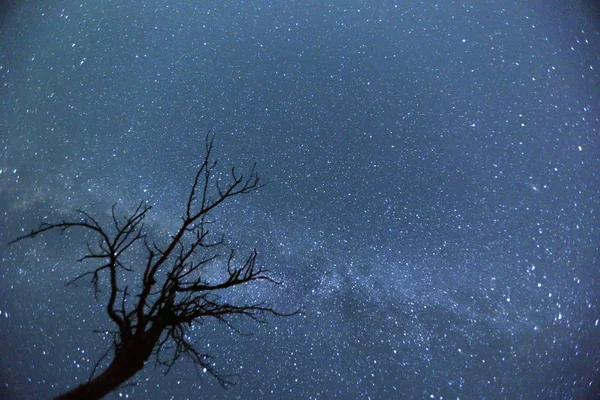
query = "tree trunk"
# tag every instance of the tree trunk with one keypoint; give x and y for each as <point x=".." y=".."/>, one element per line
<point x="129" y="360"/>
<point x="117" y="373"/>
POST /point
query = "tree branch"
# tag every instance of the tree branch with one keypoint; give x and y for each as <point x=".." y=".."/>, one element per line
<point x="174" y="293"/>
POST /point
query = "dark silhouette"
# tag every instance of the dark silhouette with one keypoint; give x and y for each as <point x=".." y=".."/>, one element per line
<point x="154" y="305"/>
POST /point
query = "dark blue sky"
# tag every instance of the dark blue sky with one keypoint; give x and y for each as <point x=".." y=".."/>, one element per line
<point x="433" y="187"/>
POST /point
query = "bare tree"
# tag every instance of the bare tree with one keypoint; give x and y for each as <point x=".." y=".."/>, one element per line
<point x="154" y="315"/>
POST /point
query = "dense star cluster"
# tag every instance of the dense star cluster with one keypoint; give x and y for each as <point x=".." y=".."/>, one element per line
<point x="432" y="202"/>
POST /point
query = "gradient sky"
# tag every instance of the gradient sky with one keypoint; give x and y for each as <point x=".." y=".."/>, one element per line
<point x="433" y="196"/>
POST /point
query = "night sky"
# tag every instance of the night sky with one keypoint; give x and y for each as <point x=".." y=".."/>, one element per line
<point x="433" y="199"/>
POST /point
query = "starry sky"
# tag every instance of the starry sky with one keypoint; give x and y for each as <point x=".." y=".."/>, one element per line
<point x="433" y="196"/>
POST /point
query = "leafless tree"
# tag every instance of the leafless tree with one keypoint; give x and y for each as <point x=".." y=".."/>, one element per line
<point x="152" y="317"/>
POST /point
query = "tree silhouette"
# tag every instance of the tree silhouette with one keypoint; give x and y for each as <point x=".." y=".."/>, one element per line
<point x="155" y="298"/>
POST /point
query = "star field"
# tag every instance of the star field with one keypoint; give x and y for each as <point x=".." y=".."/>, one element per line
<point x="432" y="199"/>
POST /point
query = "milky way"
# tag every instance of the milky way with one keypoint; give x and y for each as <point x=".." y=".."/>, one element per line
<point x="432" y="204"/>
